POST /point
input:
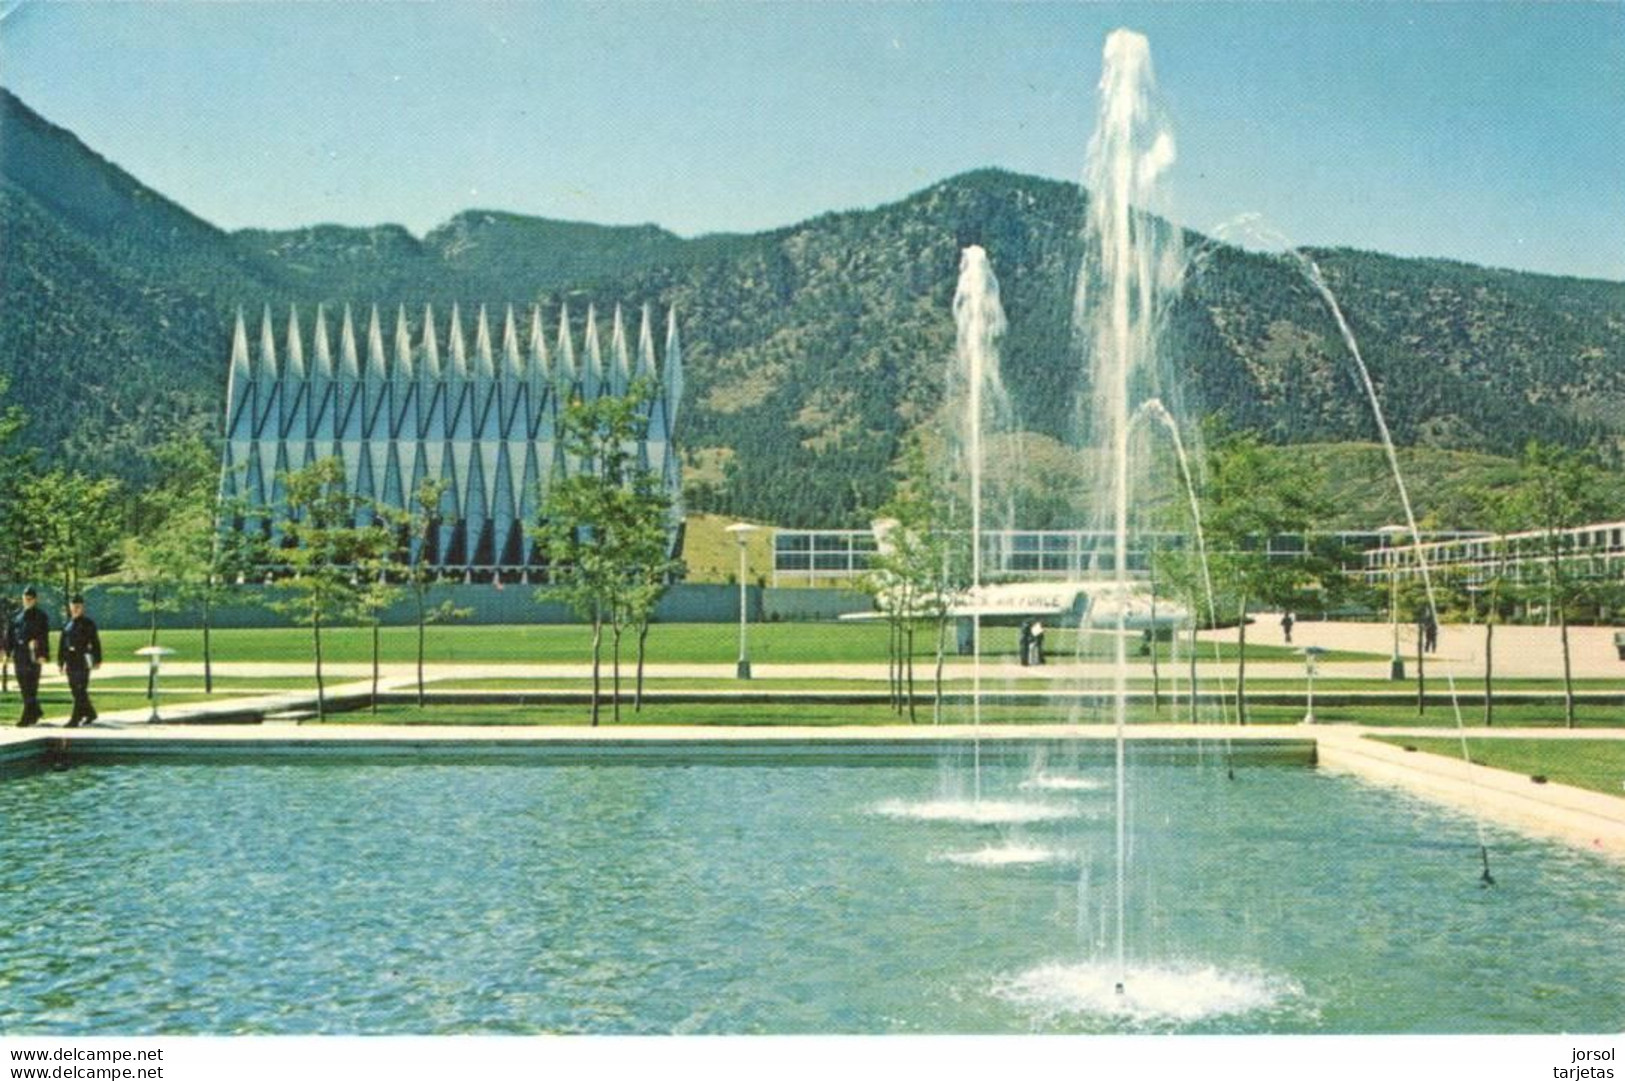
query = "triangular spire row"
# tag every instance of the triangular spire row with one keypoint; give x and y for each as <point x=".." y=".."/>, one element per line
<point x="417" y="404"/>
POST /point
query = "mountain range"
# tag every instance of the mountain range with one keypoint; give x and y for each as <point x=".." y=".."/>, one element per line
<point x="812" y="351"/>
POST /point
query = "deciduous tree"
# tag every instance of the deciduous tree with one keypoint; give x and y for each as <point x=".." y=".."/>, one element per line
<point x="603" y="526"/>
<point x="329" y="534"/>
<point x="1558" y="492"/>
<point x="1250" y="496"/>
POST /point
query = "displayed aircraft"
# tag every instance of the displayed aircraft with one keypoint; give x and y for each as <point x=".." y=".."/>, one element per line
<point x="1094" y="604"/>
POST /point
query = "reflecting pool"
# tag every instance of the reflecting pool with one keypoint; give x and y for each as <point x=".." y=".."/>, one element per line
<point x="664" y="897"/>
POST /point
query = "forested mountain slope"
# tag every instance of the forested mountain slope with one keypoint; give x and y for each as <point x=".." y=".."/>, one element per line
<point x="812" y="351"/>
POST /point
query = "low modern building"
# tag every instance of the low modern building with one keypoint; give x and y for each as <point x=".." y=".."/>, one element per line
<point x="1589" y="551"/>
<point x="843" y="556"/>
<point x="482" y="417"/>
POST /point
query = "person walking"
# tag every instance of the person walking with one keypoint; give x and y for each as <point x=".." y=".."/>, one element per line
<point x="28" y="641"/>
<point x="78" y="652"/>
<point x="1286" y="627"/>
<point x="1024" y="648"/>
<point x="1038" y="642"/>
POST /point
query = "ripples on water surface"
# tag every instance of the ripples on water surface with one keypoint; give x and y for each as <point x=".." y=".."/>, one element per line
<point x="439" y="898"/>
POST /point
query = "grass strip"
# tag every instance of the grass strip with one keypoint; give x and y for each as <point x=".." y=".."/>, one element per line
<point x="669" y="643"/>
<point x="1594" y="764"/>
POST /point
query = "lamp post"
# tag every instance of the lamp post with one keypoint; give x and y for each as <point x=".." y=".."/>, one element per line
<point x="741" y="531"/>
<point x="1396" y="664"/>
<point x="154" y="655"/>
<point x="1311" y="654"/>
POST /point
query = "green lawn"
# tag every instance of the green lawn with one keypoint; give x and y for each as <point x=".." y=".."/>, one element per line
<point x="923" y="684"/>
<point x="753" y="714"/>
<point x="956" y="682"/>
<point x="130" y="692"/>
<point x="749" y="714"/>
<point x="58" y="703"/>
<point x="670" y="643"/>
<point x="1596" y="764"/>
<point x="223" y="685"/>
<point x="1507" y="715"/>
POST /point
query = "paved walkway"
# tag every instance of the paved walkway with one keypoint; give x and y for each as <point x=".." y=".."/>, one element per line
<point x="1585" y="819"/>
<point x="1520" y="652"/>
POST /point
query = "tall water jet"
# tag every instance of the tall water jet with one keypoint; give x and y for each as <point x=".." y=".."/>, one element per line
<point x="1133" y="267"/>
<point x="975" y="394"/>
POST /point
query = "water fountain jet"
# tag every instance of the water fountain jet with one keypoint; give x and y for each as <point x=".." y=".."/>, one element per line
<point x="1132" y="260"/>
<point x="979" y="320"/>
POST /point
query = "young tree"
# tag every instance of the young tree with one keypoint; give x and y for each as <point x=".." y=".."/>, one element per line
<point x="650" y="570"/>
<point x="422" y="524"/>
<point x="1496" y="509"/>
<point x="145" y="572"/>
<point x="73" y="526"/>
<point x="1179" y="572"/>
<point x="580" y="561"/>
<point x="914" y="578"/>
<point x="891" y="581"/>
<point x="16" y="463"/>
<point x="224" y="563"/>
<point x="1412" y="600"/>
<point x="598" y="524"/>
<point x="329" y="534"/>
<point x="646" y="570"/>
<point x="924" y="562"/>
<point x="1556" y="494"/>
<point x="170" y="557"/>
<point x="1250" y="496"/>
<point x="375" y="591"/>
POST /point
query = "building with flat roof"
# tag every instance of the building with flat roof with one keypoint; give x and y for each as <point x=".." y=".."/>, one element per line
<point x="843" y="556"/>
<point x="1589" y="551"/>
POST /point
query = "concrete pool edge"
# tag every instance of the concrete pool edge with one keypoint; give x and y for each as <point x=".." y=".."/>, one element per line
<point x="427" y="742"/>
<point x="1587" y="820"/>
<point x="1592" y="821"/>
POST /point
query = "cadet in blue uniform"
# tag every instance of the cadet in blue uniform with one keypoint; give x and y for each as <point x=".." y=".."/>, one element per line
<point x="77" y="653"/>
<point x="28" y="638"/>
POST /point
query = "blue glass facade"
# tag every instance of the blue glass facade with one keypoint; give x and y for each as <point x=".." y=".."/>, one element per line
<point x="422" y="402"/>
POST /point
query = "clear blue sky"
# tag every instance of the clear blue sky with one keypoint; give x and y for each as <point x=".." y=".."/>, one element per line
<point x="1493" y="133"/>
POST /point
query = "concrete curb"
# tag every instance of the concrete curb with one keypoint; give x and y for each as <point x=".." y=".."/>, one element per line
<point x="1589" y="820"/>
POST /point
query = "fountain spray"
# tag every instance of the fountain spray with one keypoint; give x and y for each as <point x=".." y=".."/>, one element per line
<point x="979" y="319"/>
<point x="1132" y="268"/>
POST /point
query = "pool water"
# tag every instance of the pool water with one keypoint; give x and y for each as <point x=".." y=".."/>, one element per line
<point x="743" y="898"/>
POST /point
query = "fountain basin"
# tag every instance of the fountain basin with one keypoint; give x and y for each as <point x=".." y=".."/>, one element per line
<point x="750" y="887"/>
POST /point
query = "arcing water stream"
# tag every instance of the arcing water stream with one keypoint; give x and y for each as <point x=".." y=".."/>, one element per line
<point x="1312" y="271"/>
